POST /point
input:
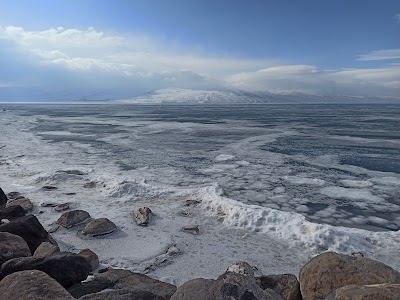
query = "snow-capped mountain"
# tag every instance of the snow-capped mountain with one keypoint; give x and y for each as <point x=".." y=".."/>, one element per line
<point x="189" y="96"/>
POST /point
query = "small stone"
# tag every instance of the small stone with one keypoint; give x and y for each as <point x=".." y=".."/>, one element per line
<point x="90" y="257"/>
<point x="49" y="187"/>
<point x="45" y="249"/>
<point x="90" y="185"/>
<point x="143" y="216"/>
<point x="357" y="254"/>
<point x="98" y="227"/>
<point x="48" y="204"/>
<point x="72" y="218"/>
<point x="25" y="203"/>
<point x="192" y="202"/>
<point x="61" y="207"/>
<point x="193" y="229"/>
<point x="70" y="194"/>
<point x="14" y="196"/>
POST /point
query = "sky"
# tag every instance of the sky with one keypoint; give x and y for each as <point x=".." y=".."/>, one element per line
<point x="90" y="49"/>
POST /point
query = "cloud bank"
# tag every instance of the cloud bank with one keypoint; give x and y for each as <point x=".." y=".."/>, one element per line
<point x="89" y="62"/>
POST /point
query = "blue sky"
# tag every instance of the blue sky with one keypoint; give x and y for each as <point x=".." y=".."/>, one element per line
<point x="120" y="48"/>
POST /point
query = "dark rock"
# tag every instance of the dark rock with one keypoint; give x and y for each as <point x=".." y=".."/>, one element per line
<point x="285" y="285"/>
<point x="49" y="187"/>
<point x="238" y="283"/>
<point x="123" y="279"/>
<point x="48" y="204"/>
<point x="329" y="271"/>
<point x="72" y="218"/>
<point x="96" y="285"/>
<point x="99" y="227"/>
<point x="70" y="194"/>
<point x="12" y="212"/>
<point x="14" y="195"/>
<point x="72" y="172"/>
<point x="61" y="207"/>
<point x="29" y="228"/>
<point x="3" y="199"/>
<point x="12" y="246"/>
<point x="32" y="285"/>
<point x="143" y="216"/>
<point x="192" y="202"/>
<point x="65" y="267"/>
<point x="367" y="292"/>
<point x="90" y="185"/>
<point x="193" y="229"/>
<point x="91" y="258"/>
<point x="124" y="294"/>
<point x="46" y="248"/>
<point x="25" y="203"/>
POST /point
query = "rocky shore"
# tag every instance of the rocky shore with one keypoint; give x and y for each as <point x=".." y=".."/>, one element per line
<point x="33" y="267"/>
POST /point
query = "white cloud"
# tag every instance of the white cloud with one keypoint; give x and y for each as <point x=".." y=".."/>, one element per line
<point x="138" y="62"/>
<point x="381" y="55"/>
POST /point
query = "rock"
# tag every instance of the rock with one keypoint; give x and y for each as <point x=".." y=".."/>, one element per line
<point x="3" y="199"/>
<point x="4" y="221"/>
<point x="25" y="203"/>
<point x="33" y="284"/>
<point x="12" y="246"/>
<point x="96" y="285"/>
<point x="123" y="279"/>
<point x="29" y="228"/>
<point x="193" y="289"/>
<point x="124" y="294"/>
<point x="12" y="212"/>
<point x="90" y="185"/>
<point x="91" y="258"/>
<point x="70" y="193"/>
<point x="367" y="292"/>
<point x="286" y="285"/>
<point x="193" y="229"/>
<point x="14" y="196"/>
<point x="98" y="227"/>
<point x="49" y="187"/>
<point x="72" y="218"/>
<point x="192" y="202"/>
<point x="143" y="216"/>
<point x="46" y="248"/>
<point x="238" y="283"/>
<point x="53" y="228"/>
<point x="65" y="267"/>
<point x="61" y="207"/>
<point x="72" y="172"/>
<point x="329" y="271"/>
<point x="48" y="204"/>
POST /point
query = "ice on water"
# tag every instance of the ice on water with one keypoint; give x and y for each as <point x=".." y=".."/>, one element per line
<point x="307" y="177"/>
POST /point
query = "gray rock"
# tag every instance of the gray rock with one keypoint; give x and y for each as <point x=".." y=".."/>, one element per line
<point x="73" y="218"/>
<point x="48" y="204"/>
<point x="14" y="195"/>
<point x="286" y="285"/>
<point x="65" y="267"/>
<point x="49" y="187"/>
<point x="367" y="292"/>
<point x="90" y="185"/>
<point x="30" y="229"/>
<point x="89" y="287"/>
<point x="143" y="216"/>
<point x="25" y="203"/>
<point x="238" y="283"/>
<point x="12" y="246"/>
<point x="46" y="248"/>
<point x="32" y="285"/>
<point x="193" y="229"/>
<point x="99" y="227"/>
<point x="61" y="207"/>
<point x="124" y="294"/>
<point x="91" y="258"/>
<point x="329" y="271"/>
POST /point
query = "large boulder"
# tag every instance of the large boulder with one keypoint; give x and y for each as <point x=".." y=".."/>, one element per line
<point x="237" y="283"/>
<point x="285" y="285"/>
<point x="29" y="228"/>
<point x="65" y="267"/>
<point x="3" y="199"/>
<point x="124" y="294"/>
<point x="367" y="292"/>
<point x="25" y="203"/>
<point x="99" y="227"/>
<point x="329" y="271"/>
<point x="45" y="249"/>
<point x="33" y="284"/>
<point x="12" y="246"/>
<point x="73" y="217"/>
<point x="91" y="258"/>
<point x="89" y="287"/>
<point x="12" y="212"/>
